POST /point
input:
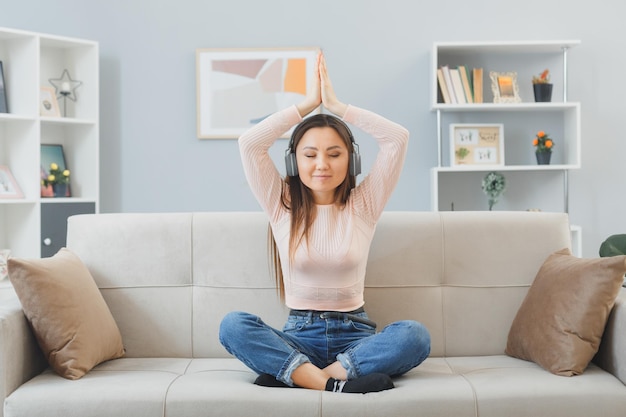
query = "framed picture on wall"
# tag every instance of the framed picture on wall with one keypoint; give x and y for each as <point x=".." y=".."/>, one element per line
<point x="504" y="87"/>
<point x="237" y="88"/>
<point x="8" y="185"/>
<point x="476" y="145"/>
<point x="52" y="154"/>
<point x="4" y="105"/>
<point x="48" y="103"/>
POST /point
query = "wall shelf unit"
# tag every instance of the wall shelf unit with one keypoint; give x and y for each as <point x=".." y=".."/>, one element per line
<point x="529" y="186"/>
<point x="34" y="226"/>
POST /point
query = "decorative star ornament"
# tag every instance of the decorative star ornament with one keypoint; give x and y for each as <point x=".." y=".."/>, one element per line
<point x="65" y="87"/>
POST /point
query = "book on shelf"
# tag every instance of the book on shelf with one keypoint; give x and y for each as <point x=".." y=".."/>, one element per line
<point x="467" y="87"/>
<point x="446" y="75"/>
<point x="477" y="78"/>
<point x="443" y="88"/>
<point x="457" y="84"/>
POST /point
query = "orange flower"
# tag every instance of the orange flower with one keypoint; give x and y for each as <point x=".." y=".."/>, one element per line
<point x="542" y="142"/>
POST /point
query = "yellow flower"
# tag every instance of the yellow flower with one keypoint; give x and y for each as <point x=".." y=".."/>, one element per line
<point x="66" y="173"/>
<point x="51" y="178"/>
<point x="54" y="166"/>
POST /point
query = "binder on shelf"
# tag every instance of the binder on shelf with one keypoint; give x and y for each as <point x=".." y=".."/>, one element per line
<point x="446" y="75"/>
<point x="457" y="84"/>
<point x="467" y="87"/>
<point x="443" y="88"/>
<point x="477" y="75"/>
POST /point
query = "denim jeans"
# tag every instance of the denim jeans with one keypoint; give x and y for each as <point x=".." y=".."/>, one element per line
<point x="398" y="348"/>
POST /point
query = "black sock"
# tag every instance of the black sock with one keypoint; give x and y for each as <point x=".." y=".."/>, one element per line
<point x="266" y="380"/>
<point x="362" y="385"/>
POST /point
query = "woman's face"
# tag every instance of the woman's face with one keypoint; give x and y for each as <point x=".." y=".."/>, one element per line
<point x="323" y="160"/>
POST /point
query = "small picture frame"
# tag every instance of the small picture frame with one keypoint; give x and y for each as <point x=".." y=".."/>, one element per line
<point x="4" y="106"/>
<point x="48" y="103"/>
<point x="8" y="185"/>
<point x="49" y="154"/>
<point x="504" y="87"/>
<point x="476" y="145"/>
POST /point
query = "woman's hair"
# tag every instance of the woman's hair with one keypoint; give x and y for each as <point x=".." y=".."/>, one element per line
<point x="298" y="198"/>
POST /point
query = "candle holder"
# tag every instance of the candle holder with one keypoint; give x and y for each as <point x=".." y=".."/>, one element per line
<point x="65" y="87"/>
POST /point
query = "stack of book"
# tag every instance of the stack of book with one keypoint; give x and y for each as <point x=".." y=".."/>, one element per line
<point x="460" y="85"/>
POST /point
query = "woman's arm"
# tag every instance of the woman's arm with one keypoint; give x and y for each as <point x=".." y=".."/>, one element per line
<point x="372" y="194"/>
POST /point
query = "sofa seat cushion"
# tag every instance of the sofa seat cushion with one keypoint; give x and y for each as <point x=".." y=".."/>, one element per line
<point x="489" y="386"/>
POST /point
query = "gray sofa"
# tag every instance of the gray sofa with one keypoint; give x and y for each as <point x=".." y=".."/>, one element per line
<point x="168" y="279"/>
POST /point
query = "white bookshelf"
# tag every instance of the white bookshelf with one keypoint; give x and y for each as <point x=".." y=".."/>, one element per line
<point x="529" y="185"/>
<point x="30" y="60"/>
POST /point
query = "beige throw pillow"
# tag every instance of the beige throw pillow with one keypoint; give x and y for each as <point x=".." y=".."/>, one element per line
<point x="70" y="319"/>
<point x="560" y="323"/>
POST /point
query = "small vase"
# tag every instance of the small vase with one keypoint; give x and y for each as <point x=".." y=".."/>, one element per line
<point x="543" y="158"/>
<point x="60" y="190"/>
<point x="543" y="92"/>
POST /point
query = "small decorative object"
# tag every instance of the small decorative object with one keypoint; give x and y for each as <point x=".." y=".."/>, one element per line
<point x="4" y="107"/>
<point x="504" y="87"/>
<point x="65" y="87"/>
<point x="8" y="185"/>
<point x="4" y="257"/>
<point x="58" y="179"/>
<point x="493" y="185"/>
<point x="48" y="104"/>
<point x="474" y="145"/>
<point x="543" y="148"/>
<point x="542" y="87"/>
<point x="55" y="174"/>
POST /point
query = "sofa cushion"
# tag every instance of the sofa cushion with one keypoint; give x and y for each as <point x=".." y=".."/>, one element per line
<point x="561" y="321"/>
<point x="67" y="312"/>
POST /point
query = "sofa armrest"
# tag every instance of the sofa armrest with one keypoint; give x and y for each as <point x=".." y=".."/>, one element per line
<point x="612" y="353"/>
<point x="20" y="356"/>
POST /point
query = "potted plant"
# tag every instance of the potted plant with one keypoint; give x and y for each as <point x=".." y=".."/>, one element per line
<point x="542" y="87"/>
<point x="493" y="185"/>
<point x="58" y="179"/>
<point x="543" y="147"/>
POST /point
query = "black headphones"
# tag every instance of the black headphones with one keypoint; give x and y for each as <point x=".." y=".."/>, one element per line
<point x="290" y="154"/>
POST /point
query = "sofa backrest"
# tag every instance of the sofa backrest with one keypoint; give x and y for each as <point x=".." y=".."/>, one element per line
<point x="169" y="278"/>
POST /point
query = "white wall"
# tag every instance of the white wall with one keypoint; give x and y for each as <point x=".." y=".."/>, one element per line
<point x="379" y="56"/>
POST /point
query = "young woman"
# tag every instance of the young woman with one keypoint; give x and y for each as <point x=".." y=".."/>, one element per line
<point x="322" y="226"/>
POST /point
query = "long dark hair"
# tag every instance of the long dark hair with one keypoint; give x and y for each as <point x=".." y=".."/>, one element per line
<point x="298" y="198"/>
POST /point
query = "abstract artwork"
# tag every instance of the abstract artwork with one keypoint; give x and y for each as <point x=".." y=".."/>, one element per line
<point x="237" y="88"/>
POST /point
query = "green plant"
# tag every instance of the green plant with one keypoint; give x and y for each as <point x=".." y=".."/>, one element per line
<point x="614" y="245"/>
<point x="56" y="176"/>
<point x="543" y="78"/>
<point x="461" y="153"/>
<point x="542" y="142"/>
<point x="493" y="185"/>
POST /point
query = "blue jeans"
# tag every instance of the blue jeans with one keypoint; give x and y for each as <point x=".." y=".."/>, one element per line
<point x="398" y="348"/>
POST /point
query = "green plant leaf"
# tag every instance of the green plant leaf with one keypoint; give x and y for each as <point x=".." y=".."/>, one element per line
<point x="613" y="246"/>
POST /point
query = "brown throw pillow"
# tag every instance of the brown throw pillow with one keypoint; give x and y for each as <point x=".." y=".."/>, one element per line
<point x="71" y="321"/>
<point x="560" y="323"/>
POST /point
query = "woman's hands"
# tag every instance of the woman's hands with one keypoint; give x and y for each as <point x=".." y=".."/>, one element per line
<point x="321" y="92"/>
<point x="314" y="96"/>
<point x="329" y="98"/>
